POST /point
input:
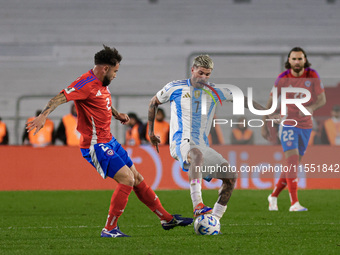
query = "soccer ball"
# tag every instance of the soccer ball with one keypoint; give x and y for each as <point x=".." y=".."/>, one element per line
<point x="207" y="224"/>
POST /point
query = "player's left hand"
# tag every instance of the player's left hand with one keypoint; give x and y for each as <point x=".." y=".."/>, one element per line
<point x="123" y="118"/>
<point x="155" y="140"/>
<point x="37" y="124"/>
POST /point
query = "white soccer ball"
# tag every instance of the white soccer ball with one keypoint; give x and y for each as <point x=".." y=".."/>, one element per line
<point x="207" y="224"/>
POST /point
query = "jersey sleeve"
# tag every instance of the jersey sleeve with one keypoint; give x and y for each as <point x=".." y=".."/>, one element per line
<point x="318" y="85"/>
<point x="227" y="94"/>
<point x="164" y="94"/>
<point x="277" y="85"/>
<point x="76" y="91"/>
<point x="224" y="94"/>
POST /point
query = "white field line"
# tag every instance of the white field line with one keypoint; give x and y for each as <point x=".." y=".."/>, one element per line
<point x="150" y="226"/>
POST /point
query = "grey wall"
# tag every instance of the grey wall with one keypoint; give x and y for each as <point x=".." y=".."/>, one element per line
<point x="46" y="44"/>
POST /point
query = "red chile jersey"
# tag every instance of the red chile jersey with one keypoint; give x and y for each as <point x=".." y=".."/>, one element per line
<point x="309" y="80"/>
<point x="93" y="104"/>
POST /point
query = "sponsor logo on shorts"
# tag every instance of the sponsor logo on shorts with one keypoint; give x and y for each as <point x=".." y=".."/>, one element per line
<point x="289" y="143"/>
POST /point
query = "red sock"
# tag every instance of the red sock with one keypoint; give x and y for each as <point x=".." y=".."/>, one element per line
<point x="150" y="199"/>
<point x="119" y="200"/>
<point x="292" y="179"/>
<point x="280" y="185"/>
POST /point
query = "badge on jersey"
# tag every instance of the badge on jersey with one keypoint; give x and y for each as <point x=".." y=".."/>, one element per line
<point x="69" y="90"/>
<point x="109" y="152"/>
<point x="307" y="83"/>
<point x="197" y="93"/>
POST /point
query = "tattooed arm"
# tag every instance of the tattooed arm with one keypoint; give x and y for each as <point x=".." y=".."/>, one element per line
<point x="39" y="121"/>
<point x="153" y="105"/>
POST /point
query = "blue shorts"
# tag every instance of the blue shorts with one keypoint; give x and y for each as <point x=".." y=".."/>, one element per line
<point x="107" y="158"/>
<point x="295" y="138"/>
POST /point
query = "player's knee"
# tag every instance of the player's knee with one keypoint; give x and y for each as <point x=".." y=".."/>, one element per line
<point x="138" y="179"/>
<point x="230" y="172"/>
<point x="233" y="175"/>
<point x="129" y="180"/>
<point x="196" y="155"/>
<point x="125" y="176"/>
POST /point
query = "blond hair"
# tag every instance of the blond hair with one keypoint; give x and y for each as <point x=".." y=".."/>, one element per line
<point x="204" y="61"/>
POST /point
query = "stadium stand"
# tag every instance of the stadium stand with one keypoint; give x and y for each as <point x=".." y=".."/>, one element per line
<point x="45" y="44"/>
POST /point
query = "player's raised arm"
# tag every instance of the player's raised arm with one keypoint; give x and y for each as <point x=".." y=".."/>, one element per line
<point x="39" y="121"/>
<point x="153" y="105"/>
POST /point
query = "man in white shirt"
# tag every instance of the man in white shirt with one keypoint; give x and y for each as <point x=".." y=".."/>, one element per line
<point x="193" y="104"/>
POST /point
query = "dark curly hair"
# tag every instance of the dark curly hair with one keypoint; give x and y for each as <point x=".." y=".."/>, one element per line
<point x="296" y="49"/>
<point x="107" y="56"/>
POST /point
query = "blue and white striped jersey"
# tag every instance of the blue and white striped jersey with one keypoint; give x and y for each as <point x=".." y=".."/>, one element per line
<point x="192" y="110"/>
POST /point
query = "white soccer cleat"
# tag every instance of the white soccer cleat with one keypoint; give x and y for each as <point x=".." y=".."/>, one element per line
<point x="297" y="208"/>
<point x="272" y="203"/>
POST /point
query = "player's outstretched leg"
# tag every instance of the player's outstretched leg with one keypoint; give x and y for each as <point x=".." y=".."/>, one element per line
<point x="176" y="221"/>
<point x="147" y="196"/>
<point x="118" y="203"/>
<point x="195" y="192"/>
<point x="195" y="177"/>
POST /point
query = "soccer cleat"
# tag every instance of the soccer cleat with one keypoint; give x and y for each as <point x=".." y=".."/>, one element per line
<point x="297" y="208"/>
<point x="113" y="233"/>
<point x="272" y="203"/>
<point x="177" y="220"/>
<point x="201" y="209"/>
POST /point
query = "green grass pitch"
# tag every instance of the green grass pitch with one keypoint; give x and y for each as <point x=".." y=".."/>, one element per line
<point x="70" y="222"/>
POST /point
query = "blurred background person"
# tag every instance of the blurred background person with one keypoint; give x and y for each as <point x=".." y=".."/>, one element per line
<point x="45" y="137"/>
<point x="3" y="133"/>
<point x="315" y="134"/>
<point x="67" y="130"/>
<point x="330" y="133"/>
<point x="135" y="134"/>
<point x="242" y="134"/>
<point x="161" y="127"/>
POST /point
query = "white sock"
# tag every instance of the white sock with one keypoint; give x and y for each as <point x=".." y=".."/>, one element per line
<point x="196" y="192"/>
<point x="219" y="210"/>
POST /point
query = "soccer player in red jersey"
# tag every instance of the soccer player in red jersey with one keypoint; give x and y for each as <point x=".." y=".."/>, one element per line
<point x="92" y="99"/>
<point x="295" y="133"/>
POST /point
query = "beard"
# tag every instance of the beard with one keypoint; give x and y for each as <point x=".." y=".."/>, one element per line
<point x="297" y="69"/>
<point x="106" y="81"/>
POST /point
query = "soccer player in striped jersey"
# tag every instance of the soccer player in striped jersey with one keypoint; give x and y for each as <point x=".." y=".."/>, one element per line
<point x="92" y="99"/>
<point x="298" y="126"/>
<point x="193" y="104"/>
